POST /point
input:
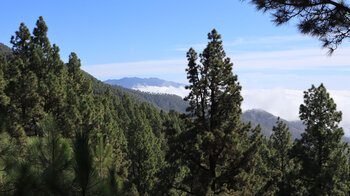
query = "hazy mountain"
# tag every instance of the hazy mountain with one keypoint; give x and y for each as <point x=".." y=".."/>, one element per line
<point x="267" y="121"/>
<point x="135" y="82"/>
<point x="162" y="101"/>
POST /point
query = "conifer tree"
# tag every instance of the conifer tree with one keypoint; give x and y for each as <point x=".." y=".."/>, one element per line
<point x="50" y="156"/>
<point x="278" y="159"/>
<point x="50" y="70"/>
<point x="79" y="110"/>
<point x="324" y="164"/>
<point x="103" y="156"/>
<point x="83" y="163"/>
<point x="143" y="152"/>
<point x="108" y="129"/>
<point x="9" y="156"/>
<point x="219" y="151"/>
<point x="4" y="99"/>
<point x="125" y="113"/>
<point x="26" y="103"/>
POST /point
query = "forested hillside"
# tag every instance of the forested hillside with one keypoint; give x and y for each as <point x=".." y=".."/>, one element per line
<point x="62" y="132"/>
<point x="5" y="50"/>
<point x="267" y="121"/>
<point x="165" y="102"/>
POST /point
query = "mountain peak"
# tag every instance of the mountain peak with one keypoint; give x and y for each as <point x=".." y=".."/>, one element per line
<point x="134" y="82"/>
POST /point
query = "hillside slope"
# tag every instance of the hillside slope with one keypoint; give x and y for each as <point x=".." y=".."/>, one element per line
<point x="165" y="102"/>
<point x="267" y="121"/>
<point x="5" y="50"/>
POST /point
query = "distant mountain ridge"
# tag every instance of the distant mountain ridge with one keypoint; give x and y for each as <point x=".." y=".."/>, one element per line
<point x="268" y="120"/>
<point x="134" y="82"/>
<point x="165" y="102"/>
<point x="255" y="116"/>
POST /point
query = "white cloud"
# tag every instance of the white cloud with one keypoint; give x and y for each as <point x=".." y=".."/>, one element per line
<point x="298" y="80"/>
<point x="180" y="91"/>
<point x="278" y="101"/>
<point x="285" y="103"/>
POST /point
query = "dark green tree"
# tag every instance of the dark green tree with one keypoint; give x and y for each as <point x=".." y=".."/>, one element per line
<point x="79" y="110"/>
<point x="278" y="160"/>
<point x="144" y="150"/>
<point x="4" y="99"/>
<point x="327" y="20"/>
<point x="50" y="156"/>
<point x="102" y="156"/>
<point x="320" y="152"/>
<point x="108" y="131"/>
<point x="9" y="157"/>
<point x="219" y="151"/>
<point x="26" y="103"/>
<point x="84" y="170"/>
<point x="51" y="72"/>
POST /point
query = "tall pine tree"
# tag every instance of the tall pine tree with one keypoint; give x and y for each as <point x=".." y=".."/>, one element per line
<point x="324" y="164"/>
<point x="219" y="151"/>
<point x="278" y="159"/>
<point x="144" y="151"/>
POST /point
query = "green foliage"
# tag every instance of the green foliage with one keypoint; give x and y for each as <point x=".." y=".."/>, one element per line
<point x="278" y="160"/>
<point x="145" y="155"/>
<point x="102" y="156"/>
<point x="4" y="99"/>
<point x="78" y="112"/>
<point x="218" y="151"/>
<point x="320" y="152"/>
<point x="51" y="159"/>
<point x="83" y="163"/>
<point x="9" y="156"/>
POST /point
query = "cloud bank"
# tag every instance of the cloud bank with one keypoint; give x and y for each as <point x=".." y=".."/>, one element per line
<point x="278" y="101"/>
<point x="180" y="91"/>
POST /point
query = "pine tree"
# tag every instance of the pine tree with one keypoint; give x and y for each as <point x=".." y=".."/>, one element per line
<point x="26" y="104"/>
<point x="103" y="156"/>
<point x="324" y="164"/>
<point x="83" y="163"/>
<point x="219" y="151"/>
<point x="51" y="158"/>
<point x="50" y="70"/>
<point x="143" y="153"/>
<point x="278" y="159"/>
<point x="4" y="99"/>
<point x="79" y="109"/>
<point x="108" y="129"/>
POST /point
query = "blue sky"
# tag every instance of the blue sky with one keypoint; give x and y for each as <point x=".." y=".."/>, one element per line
<point x="115" y="39"/>
<point x="150" y="39"/>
